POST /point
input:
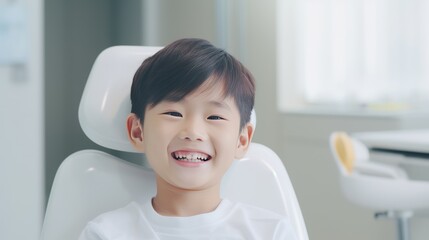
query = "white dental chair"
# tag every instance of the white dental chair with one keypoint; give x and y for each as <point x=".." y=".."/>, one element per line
<point x="90" y="182"/>
<point x="384" y="188"/>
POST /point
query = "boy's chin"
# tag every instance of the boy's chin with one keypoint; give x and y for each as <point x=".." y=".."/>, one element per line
<point x="195" y="183"/>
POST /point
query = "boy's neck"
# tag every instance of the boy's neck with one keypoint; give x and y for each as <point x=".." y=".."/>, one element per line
<point x="170" y="201"/>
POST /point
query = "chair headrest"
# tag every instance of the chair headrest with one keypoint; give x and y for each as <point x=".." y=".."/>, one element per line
<point x="105" y="103"/>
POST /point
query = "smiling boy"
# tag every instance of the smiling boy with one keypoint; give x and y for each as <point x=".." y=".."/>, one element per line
<point x="191" y="106"/>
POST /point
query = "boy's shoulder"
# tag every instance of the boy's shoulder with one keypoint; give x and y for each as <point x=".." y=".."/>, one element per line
<point x="125" y="223"/>
<point x="129" y="212"/>
<point x="261" y="222"/>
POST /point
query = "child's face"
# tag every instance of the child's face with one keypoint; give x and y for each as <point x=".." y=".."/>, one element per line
<point x="191" y="143"/>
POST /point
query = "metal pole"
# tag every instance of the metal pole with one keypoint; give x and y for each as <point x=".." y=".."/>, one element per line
<point x="403" y="228"/>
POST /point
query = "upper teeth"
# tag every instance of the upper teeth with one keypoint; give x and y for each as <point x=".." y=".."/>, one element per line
<point x="192" y="157"/>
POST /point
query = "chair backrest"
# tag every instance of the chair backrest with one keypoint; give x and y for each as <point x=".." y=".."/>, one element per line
<point x="91" y="182"/>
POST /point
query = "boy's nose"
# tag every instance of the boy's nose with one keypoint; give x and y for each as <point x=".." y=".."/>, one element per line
<point x="193" y="131"/>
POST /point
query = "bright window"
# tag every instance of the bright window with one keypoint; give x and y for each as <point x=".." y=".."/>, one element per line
<point x="357" y="53"/>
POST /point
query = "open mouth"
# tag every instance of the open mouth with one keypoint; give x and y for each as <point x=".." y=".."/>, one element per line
<point x="190" y="156"/>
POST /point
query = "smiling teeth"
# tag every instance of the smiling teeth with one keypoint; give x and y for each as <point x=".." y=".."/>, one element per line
<point x="191" y="157"/>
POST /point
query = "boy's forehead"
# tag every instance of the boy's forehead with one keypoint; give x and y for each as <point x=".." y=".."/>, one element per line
<point x="211" y="88"/>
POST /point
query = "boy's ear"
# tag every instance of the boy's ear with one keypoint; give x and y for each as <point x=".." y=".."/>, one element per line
<point x="244" y="140"/>
<point x="135" y="132"/>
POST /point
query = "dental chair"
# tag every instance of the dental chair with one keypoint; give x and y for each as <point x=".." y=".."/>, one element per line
<point x="90" y="182"/>
<point x="386" y="189"/>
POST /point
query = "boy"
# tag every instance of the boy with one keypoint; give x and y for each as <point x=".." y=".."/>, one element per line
<point x="191" y="105"/>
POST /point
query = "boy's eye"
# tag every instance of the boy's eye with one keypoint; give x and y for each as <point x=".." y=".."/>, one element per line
<point x="173" y="114"/>
<point x="214" y="117"/>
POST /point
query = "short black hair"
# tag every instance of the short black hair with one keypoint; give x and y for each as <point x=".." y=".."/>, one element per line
<point x="184" y="65"/>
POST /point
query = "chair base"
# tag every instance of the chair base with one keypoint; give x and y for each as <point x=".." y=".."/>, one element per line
<point x="402" y="222"/>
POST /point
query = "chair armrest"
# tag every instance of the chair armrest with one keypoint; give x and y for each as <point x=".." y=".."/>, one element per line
<point x="380" y="170"/>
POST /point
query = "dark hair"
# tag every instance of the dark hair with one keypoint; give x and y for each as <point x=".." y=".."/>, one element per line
<point x="183" y="66"/>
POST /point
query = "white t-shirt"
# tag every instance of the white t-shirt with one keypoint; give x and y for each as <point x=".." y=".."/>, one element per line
<point x="229" y="220"/>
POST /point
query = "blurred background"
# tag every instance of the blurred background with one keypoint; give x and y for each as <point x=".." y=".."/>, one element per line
<point x="320" y="66"/>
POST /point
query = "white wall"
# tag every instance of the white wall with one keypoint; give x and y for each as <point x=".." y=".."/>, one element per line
<point x="158" y="16"/>
<point x="22" y="135"/>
